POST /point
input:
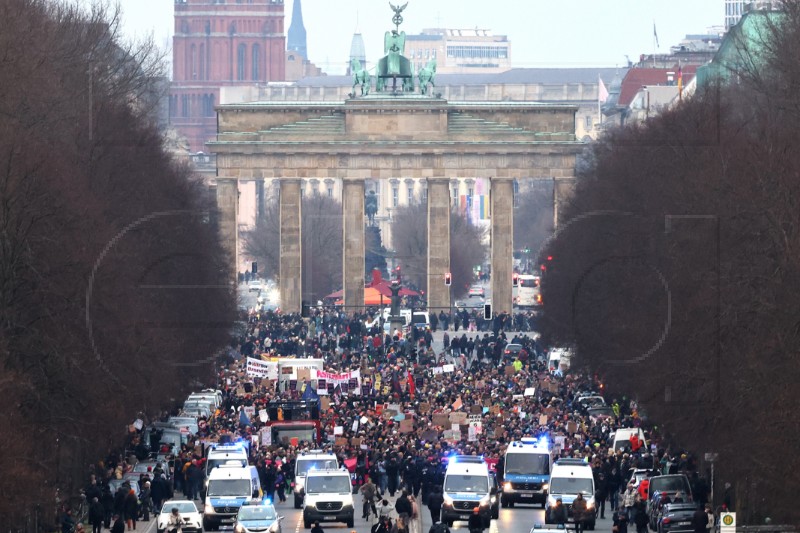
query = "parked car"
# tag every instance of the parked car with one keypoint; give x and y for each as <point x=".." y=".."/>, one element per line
<point x="663" y="489"/>
<point x="676" y="518"/>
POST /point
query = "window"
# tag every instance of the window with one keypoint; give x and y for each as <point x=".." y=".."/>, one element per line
<point x="185" y="105"/>
<point x="241" y="56"/>
<point x="425" y="195"/>
<point x="330" y="191"/>
<point x="411" y="194"/>
<point x="202" y="61"/>
<point x="395" y="196"/>
<point x="588" y="122"/>
<point x="193" y="63"/>
<point x="256" y="60"/>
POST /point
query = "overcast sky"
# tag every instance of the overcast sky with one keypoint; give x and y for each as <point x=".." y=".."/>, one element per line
<point x="543" y="33"/>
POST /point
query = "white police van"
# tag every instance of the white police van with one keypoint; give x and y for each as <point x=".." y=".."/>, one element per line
<point x="468" y="484"/>
<point x="305" y="462"/>
<point x="526" y="472"/>
<point x="569" y="477"/>
<point x="229" y="487"/>
<point x="328" y="498"/>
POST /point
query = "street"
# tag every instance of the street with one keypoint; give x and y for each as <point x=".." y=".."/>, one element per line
<point x="520" y="519"/>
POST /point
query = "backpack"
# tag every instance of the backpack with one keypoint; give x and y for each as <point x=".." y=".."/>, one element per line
<point x="439" y="527"/>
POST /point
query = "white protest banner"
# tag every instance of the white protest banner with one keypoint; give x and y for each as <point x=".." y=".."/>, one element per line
<point x="438" y="370"/>
<point x="364" y="420"/>
<point x="355" y="426"/>
<point x="263" y="416"/>
<point x="344" y="378"/>
<point x="138" y="424"/>
<point x="262" y="369"/>
<point x="448" y="368"/>
<point x="266" y="437"/>
<point x="530" y="391"/>
<point x="475" y="427"/>
<point x="338" y="430"/>
<point x="250" y="411"/>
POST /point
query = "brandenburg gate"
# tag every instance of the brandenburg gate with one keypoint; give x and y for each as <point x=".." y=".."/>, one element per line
<point x="393" y="134"/>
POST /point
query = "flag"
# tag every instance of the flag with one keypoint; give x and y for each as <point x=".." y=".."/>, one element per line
<point x="411" y="384"/>
<point x="602" y="92"/>
<point x="655" y="33"/>
<point x="309" y="393"/>
<point x="680" y="83"/>
<point x="243" y="418"/>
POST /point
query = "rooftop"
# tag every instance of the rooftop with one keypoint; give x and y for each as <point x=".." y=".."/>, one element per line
<point x="522" y="76"/>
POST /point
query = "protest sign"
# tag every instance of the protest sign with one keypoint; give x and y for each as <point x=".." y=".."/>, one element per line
<point x="441" y="419"/>
<point x="458" y="418"/>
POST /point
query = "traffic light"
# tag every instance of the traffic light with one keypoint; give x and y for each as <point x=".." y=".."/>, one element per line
<point x="254" y="267"/>
<point x="515" y="280"/>
<point x="448" y="279"/>
<point x="487" y="311"/>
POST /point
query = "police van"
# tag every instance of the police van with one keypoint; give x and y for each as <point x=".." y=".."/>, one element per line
<point x="225" y="454"/>
<point x="569" y="477"/>
<point x="526" y="472"/>
<point x="328" y="497"/>
<point x="306" y="462"/>
<point x="468" y="484"/>
<point x="229" y="487"/>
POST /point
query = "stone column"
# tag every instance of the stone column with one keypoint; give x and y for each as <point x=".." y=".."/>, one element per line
<point x="228" y="209"/>
<point x="563" y="189"/>
<point x="259" y="200"/>
<point x="291" y="257"/>
<point x="438" y="243"/>
<point x="353" y="242"/>
<point x="502" y="203"/>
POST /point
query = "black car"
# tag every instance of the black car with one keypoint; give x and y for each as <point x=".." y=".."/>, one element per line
<point x="676" y="517"/>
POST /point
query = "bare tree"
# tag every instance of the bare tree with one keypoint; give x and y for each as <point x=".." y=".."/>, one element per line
<point x="673" y="279"/>
<point x="410" y="241"/>
<point x="100" y="232"/>
<point x="322" y="245"/>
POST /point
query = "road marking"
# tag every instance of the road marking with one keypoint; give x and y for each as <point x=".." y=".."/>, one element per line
<point x="153" y="522"/>
<point x="299" y="523"/>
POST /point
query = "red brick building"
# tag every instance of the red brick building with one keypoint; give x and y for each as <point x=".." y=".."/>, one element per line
<point x="220" y="43"/>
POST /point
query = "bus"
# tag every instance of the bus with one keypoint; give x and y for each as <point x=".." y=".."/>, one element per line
<point x="529" y="293"/>
<point x="293" y="421"/>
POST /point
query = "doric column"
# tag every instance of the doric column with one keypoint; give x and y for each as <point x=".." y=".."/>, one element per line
<point x="563" y="189"/>
<point x="353" y="242"/>
<point x="228" y="209"/>
<point x="291" y="257"/>
<point x="502" y="200"/>
<point x="259" y="200"/>
<point x="438" y="243"/>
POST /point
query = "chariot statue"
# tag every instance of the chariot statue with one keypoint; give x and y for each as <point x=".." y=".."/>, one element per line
<point x="394" y="65"/>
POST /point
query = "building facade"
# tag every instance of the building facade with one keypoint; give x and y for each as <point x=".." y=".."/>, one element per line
<point x="460" y="51"/>
<point x="218" y="44"/>
<point x="734" y="9"/>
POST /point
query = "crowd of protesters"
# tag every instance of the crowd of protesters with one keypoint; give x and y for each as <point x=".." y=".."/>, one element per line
<point x="401" y="374"/>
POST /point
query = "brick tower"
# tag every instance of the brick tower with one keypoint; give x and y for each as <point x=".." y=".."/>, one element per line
<point x="221" y="43"/>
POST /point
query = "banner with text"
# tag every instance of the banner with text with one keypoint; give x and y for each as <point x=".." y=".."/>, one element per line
<point x="262" y="369"/>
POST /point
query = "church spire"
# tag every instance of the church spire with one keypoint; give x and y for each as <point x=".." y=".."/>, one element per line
<point x="296" y="41"/>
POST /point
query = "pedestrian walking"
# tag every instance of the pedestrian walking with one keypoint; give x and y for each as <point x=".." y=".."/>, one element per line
<point x="435" y="502"/>
<point x="579" y="512"/>
<point x="96" y="515"/>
